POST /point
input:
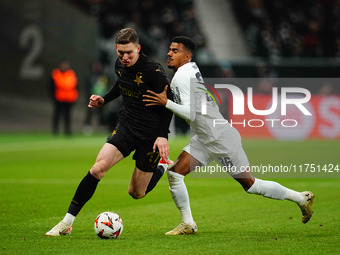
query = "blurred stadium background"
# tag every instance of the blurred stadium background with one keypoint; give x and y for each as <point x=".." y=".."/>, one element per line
<point x="236" y="38"/>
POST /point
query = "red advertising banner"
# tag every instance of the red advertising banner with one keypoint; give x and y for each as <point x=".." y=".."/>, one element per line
<point x="324" y="121"/>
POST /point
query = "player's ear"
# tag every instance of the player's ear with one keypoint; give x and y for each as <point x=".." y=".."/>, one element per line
<point x="188" y="56"/>
<point x="139" y="48"/>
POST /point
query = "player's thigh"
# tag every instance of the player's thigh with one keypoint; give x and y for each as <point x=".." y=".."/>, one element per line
<point x="193" y="155"/>
<point x="123" y="139"/>
<point x="232" y="156"/>
<point x="108" y="156"/>
<point x="229" y="153"/>
<point x="139" y="183"/>
<point x="146" y="159"/>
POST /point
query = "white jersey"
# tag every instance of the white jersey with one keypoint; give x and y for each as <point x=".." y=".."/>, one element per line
<point x="188" y="104"/>
<point x="211" y="141"/>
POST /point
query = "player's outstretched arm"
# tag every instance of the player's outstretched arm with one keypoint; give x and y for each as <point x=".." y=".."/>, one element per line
<point x="156" y="99"/>
<point x="182" y="110"/>
<point x="96" y="101"/>
<point x="163" y="147"/>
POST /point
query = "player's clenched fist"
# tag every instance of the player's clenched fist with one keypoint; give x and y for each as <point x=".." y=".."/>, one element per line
<point x="96" y="101"/>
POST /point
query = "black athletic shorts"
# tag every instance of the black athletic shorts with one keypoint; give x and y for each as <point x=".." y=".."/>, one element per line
<point x="126" y="142"/>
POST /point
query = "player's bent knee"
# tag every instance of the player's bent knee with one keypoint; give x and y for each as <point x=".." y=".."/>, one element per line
<point x="98" y="171"/>
<point x="136" y="195"/>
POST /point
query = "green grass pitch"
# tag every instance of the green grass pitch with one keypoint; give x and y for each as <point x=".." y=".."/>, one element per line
<point x="39" y="175"/>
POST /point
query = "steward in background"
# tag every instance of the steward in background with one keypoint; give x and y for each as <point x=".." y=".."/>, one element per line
<point x="64" y="92"/>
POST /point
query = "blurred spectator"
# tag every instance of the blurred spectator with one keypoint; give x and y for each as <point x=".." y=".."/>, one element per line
<point x="326" y="89"/>
<point x="226" y="70"/>
<point x="96" y="83"/>
<point x="156" y="21"/>
<point x="265" y="70"/>
<point x="64" y="92"/>
<point x="264" y="86"/>
<point x="267" y="75"/>
<point x="337" y="54"/>
<point x="275" y="28"/>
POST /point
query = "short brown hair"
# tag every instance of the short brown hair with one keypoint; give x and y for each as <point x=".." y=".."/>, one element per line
<point x="127" y="35"/>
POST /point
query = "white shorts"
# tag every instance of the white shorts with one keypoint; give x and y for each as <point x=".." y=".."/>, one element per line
<point x="226" y="150"/>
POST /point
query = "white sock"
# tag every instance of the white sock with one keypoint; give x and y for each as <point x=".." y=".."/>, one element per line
<point x="274" y="190"/>
<point x="294" y="196"/>
<point x="180" y="196"/>
<point x="69" y="218"/>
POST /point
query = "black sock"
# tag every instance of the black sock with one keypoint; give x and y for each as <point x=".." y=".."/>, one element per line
<point x="83" y="194"/>
<point x="157" y="175"/>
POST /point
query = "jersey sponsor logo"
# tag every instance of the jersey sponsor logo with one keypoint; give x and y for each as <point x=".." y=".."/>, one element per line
<point x="130" y="93"/>
<point x="177" y="95"/>
<point x="198" y="76"/>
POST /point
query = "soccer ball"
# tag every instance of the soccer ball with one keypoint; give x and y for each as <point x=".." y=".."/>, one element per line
<point x="108" y="225"/>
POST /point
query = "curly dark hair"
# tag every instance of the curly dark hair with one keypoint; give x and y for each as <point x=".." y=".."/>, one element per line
<point x="188" y="43"/>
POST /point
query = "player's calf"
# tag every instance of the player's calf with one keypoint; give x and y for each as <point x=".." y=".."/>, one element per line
<point x="161" y="169"/>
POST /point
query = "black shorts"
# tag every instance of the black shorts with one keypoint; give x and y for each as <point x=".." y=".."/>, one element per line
<point x="126" y="142"/>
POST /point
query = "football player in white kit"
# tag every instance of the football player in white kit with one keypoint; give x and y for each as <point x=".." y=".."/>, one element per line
<point x="209" y="143"/>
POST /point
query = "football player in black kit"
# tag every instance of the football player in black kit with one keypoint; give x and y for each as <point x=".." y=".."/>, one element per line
<point x="141" y="129"/>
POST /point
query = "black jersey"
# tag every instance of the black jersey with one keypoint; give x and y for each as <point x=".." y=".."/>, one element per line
<point x="146" y="122"/>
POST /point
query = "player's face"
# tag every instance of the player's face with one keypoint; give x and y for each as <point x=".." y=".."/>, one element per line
<point x="177" y="56"/>
<point x="128" y="54"/>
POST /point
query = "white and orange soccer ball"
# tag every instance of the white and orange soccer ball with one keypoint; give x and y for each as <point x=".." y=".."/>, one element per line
<point x="108" y="225"/>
